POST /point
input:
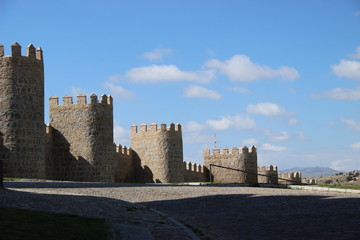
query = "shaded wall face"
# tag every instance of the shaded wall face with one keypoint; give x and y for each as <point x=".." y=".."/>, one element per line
<point x="160" y="154"/>
<point x="124" y="168"/>
<point x="196" y="176"/>
<point x="83" y="147"/>
<point x="268" y="177"/>
<point x="22" y="116"/>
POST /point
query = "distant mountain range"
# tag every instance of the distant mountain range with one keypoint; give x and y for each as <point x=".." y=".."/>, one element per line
<point x="312" y="172"/>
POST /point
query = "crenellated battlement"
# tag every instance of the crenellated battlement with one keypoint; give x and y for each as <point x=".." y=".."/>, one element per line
<point x="234" y="151"/>
<point x="195" y="172"/>
<point x="268" y="174"/>
<point x="290" y="175"/>
<point x="124" y="150"/>
<point x="81" y="99"/>
<point x="267" y="168"/>
<point x="31" y="52"/>
<point x="193" y="167"/>
<point x="293" y="177"/>
<point x="155" y="128"/>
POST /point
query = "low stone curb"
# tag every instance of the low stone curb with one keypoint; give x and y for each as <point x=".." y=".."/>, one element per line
<point x="324" y="189"/>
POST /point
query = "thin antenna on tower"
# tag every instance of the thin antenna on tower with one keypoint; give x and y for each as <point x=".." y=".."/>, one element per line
<point x="215" y="140"/>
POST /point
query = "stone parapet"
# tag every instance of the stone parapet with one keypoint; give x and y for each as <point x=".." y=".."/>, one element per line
<point x="195" y="172"/>
<point x="124" y="169"/>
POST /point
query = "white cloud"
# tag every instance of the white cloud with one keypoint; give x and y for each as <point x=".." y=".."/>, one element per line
<point x="240" y="90"/>
<point x="194" y="91"/>
<point x="240" y="68"/>
<point x="197" y="137"/>
<point x="249" y="142"/>
<point x="355" y="145"/>
<point x="193" y="133"/>
<point x="277" y="136"/>
<point x="331" y="123"/>
<point x="293" y="121"/>
<point x="352" y="124"/>
<point x="121" y="136"/>
<point x="210" y="52"/>
<point x="167" y="73"/>
<point x="75" y="91"/>
<point x="357" y="13"/>
<point x="158" y="54"/>
<point x="340" y="94"/>
<point x="347" y="69"/>
<point x="267" y="146"/>
<point x="302" y="136"/>
<point x="267" y="109"/>
<point x="119" y="91"/>
<point x="293" y="91"/>
<point x="357" y="54"/>
<point x="239" y="122"/>
<point x="341" y="165"/>
<point x="193" y="126"/>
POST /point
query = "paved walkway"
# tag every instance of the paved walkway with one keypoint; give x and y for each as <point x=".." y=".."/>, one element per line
<point x="212" y="212"/>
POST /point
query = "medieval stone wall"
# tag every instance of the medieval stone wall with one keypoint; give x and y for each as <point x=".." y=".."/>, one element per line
<point x="82" y="147"/>
<point x="22" y="112"/>
<point x="124" y="165"/>
<point x="78" y="142"/>
<point x="289" y="178"/>
<point x="268" y="174"/>
<point x="242" y="159"/>
<point x="195" y="173"/>
<point x="49" y="160"/>
<point x="160" y="151"/>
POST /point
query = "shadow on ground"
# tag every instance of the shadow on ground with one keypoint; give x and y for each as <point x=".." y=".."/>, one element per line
<point x="231" y="217"/>
<point x="122" y="216"/>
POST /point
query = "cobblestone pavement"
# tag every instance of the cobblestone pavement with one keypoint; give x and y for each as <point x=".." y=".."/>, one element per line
<point x="212" y="212"/>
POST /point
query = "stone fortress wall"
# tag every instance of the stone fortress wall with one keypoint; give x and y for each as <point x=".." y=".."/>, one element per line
<point x="22" y="112"/>
<point x="78" y="144"/>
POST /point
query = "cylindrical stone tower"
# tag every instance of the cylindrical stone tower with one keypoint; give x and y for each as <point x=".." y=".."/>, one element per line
<point x="22" y="112"/>
<point x="83" y="143"/>
<point x="160" y="151"/>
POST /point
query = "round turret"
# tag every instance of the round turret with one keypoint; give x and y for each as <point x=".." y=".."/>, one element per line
<point x="22" y="111"/>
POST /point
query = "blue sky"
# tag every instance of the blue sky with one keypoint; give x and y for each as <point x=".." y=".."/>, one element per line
<point x="282" y="75"/>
